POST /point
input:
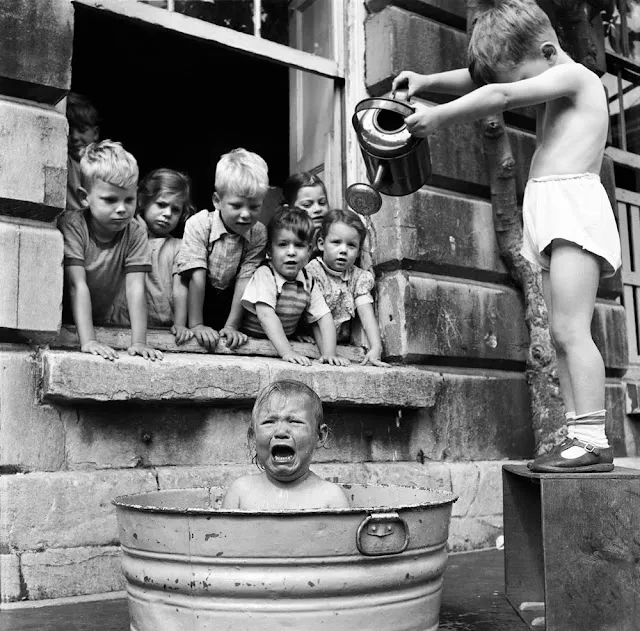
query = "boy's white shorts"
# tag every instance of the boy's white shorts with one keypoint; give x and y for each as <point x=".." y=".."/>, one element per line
<point x="575" y="208"/>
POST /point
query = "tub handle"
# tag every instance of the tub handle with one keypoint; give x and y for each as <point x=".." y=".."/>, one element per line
<point x="373" y="531"/>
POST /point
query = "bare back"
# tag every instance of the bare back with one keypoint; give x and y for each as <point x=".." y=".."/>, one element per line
<point x="571" y="132"/>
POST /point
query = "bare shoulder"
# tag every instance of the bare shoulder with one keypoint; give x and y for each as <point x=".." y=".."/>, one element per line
<point x="331" y="495"/>
<point x="238" y="490"/>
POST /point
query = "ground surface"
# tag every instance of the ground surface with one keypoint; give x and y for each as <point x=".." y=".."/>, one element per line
<point x="473" y="600"/>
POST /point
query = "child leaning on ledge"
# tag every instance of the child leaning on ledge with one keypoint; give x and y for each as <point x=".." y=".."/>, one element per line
<point x="515" y="60"/>
<point x="104" y="248"/>
<point x="286" y="426"/>
<point x="281" y="292"/>
<point x="222" y="249"/>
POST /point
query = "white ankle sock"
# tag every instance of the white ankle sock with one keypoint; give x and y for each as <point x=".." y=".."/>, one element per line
<point x="588" y="428"/>
<point x="570" y="416"/>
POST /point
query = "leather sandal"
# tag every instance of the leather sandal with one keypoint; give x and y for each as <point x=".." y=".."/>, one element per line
<point x="596" y="460"/>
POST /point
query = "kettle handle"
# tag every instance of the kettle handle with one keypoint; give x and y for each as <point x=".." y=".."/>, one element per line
<point x="384" y="104"/>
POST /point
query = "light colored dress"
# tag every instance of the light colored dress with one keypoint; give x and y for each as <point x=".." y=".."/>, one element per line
<point x="343" y="292"/>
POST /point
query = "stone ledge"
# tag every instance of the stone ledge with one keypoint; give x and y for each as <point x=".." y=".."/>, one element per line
<point x="120" y="339"/>
<point x="72" y="377"/>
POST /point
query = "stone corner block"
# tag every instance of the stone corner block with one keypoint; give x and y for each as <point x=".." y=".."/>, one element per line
<point x="10" y="590"/>
<point x="33" y="161"/>
<point x="31" y="256"/>
<point x="37" y="44"/>
<point x="65" y="572"/>
<point x="73" y="377"/>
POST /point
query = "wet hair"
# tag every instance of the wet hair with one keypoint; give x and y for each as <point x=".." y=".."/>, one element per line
<point x="111" y="162"/>
<point x="242" y="172"/>
<point x="287" y="389"/>
<point x="295" y="182"/>
<point x="166" y="181"/>
<point x="345" y="216"/>
<point x="503" y="34"/>
<point x="81" y="113"/>
<point x="291" y="219"/>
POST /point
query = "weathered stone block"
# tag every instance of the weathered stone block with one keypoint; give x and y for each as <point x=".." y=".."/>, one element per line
<point x="447" y="11"/>
<point x="31" y="290"/>
<point x="33" y="161"/>
<point x="480" y="415"/>
<point x="66" y="572"/>
<point x="59" y="510"/>
<point x="35" y="50"/>
<point x="399" y="40"/>
<point x="9" y="578"/>
<point x="224" y="379"/>
<point x="440" y="232"/>
<point x="422" y="316"/>
<point x="31" y="434"/>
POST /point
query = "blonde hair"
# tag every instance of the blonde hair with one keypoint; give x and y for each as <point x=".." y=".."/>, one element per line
<point x="242" y="172"/>
<point x="111" y="162"/>
<point x="504" y="33"/>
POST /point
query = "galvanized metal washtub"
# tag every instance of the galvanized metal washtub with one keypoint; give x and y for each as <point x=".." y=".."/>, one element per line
<point x="378" y="565"/>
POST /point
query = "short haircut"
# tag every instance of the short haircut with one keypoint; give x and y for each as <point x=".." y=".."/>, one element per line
<point x="166" y="182"/>
<point x="291" y="219"/>
<point x="345" y="216"/>
<point x="504" y="33"/>
<point x="111" y="162"/>
<point x="81" y="113"/>
<point x="243" y="173"/>
<point x="297" y="181"/>
<point x="287" y="389"/>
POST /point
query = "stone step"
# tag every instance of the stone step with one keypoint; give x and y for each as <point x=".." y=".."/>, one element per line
<point x="120" y="339"/>
<point x="74" y="377"/>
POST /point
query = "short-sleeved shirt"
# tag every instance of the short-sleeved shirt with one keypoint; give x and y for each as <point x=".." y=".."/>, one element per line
<point x="343" y="292"/>
<point x="225" y="255"/>
<point x="105" y="264"/>
<point x="290" y="299"/>
<point x="158" y="285"/>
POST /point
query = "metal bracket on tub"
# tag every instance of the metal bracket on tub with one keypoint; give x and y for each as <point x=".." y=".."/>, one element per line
<point x="373" y="530"/>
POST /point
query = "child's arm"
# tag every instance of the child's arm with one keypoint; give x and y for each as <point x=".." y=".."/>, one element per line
<point x="205" y="335"/>
<point x="81" y="306"/>
<point x="327" y="336"/>
<point x="137" y="304"/>
<point x="274" y="331"/>
<point x="372" y="330"/>
<point x="180" y="298"/>
<point x="451" y="82"/>
<point x="559" y="81"/>
<point x="230" y="331"/>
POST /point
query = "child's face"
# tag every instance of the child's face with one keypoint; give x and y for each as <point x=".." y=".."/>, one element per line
<point x="288" y="253"/>
<point x="79" y="140"/>
<point x="286" y="437"/>
<point x="340" y="247"/>
<point x="526" y="69"/>
<point x="163" y="214"/>
<point x="239" y="213"/>
<point x="111" y="206"/>
<point x="313" y="201"/>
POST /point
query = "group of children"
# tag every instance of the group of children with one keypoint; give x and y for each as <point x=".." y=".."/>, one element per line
<point x="515" y="60"/>
<point x="229" y="276"/>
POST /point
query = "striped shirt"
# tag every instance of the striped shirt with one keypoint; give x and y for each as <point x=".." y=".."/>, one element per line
<point x="225" y="255"/>
<point x="290" y="299"/>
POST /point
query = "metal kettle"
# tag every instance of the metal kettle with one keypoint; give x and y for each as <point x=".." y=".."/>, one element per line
<point x="397" y="163"/>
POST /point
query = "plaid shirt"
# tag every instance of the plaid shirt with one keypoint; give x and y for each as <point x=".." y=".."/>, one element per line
<point x="225" y="255"/>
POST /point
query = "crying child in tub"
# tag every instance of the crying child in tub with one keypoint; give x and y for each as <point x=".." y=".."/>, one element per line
<point x="287" y="427"/>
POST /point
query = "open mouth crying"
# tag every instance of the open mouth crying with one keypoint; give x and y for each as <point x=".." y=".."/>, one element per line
<point x="282" y="453"/>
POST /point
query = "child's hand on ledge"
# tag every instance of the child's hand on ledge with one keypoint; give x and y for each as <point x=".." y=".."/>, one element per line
<point x="144" y="351"/>
<point x="294" y="358"/>
<point x="181" y="333"/>
<point x="234" y="337"/>
<point x="206" y="336"/>
<point x="334" y="360"/>
<point x="97" y="348"/>
<point x="373" y="358"/>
